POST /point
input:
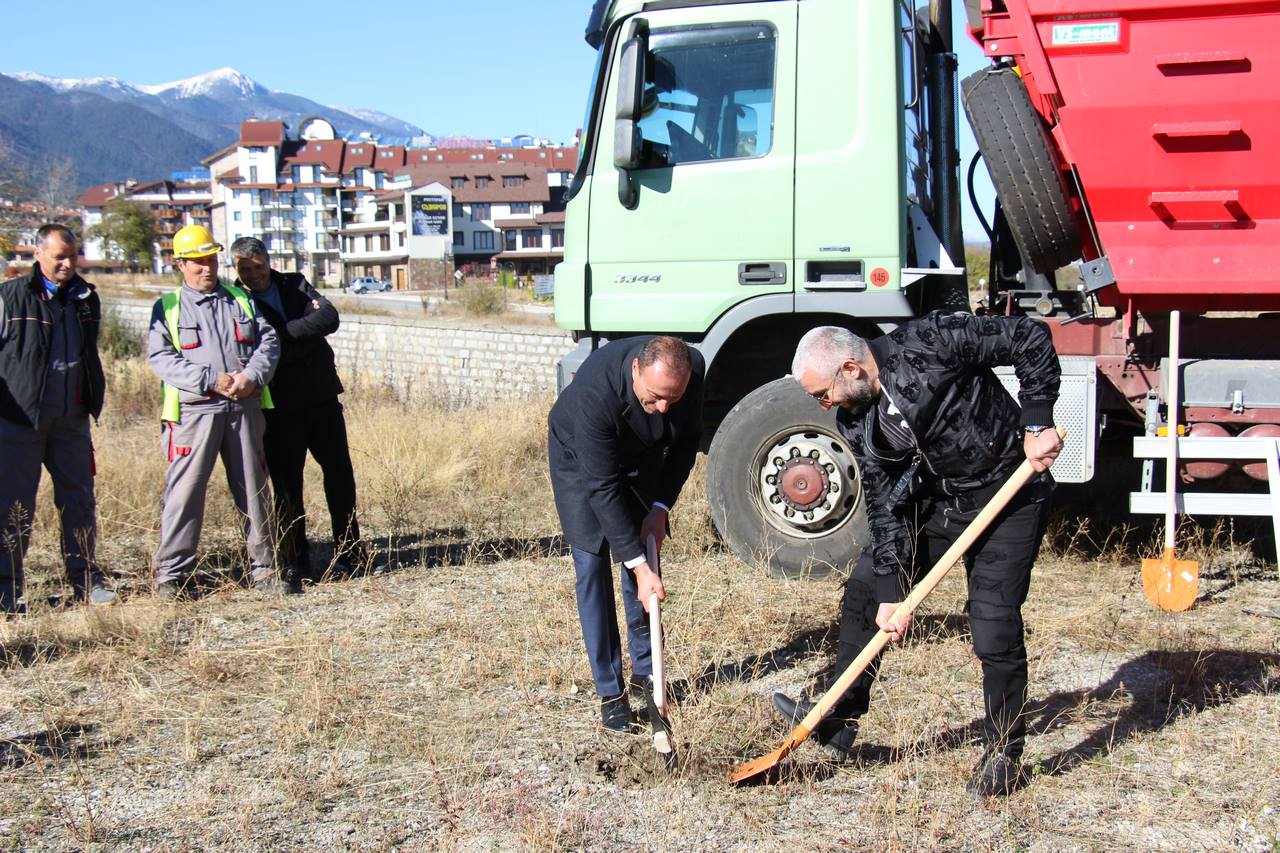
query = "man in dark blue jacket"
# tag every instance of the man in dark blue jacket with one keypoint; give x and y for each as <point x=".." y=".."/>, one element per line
<point x="621" y="441"/>
<point x="51" y="381"/>
<point x="307" y="414"/>
<point x="936" y="435"/>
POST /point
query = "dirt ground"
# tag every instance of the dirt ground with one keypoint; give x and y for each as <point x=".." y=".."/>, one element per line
<point x="447" y="704"/>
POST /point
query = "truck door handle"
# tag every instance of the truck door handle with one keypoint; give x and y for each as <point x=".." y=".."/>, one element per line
<point x="762" y="273"/>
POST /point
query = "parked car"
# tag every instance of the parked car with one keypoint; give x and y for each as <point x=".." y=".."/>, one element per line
<point x="370" y="285"/>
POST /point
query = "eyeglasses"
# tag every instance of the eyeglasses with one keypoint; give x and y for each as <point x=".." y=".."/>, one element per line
<point x="825" y="400"/>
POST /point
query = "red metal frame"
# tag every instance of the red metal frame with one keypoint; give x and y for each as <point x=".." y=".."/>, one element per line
<point x="1166" y="111"/>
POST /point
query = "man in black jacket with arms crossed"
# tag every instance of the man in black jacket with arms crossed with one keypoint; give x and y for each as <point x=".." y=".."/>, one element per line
<point x="307" y="413"/>
<point x="936" y="435"/>
<point x="621" y="441"/>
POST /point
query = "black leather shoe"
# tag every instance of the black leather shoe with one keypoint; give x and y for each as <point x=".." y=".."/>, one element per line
<point x="835" y="734"/>
<point x="276" y="585"/>
<point x="996" y="775"/>
<point x="615" y="713"/>
<point x="167" y="590"/>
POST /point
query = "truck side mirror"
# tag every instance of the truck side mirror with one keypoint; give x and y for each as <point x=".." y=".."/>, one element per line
<point x="627" y="141"/>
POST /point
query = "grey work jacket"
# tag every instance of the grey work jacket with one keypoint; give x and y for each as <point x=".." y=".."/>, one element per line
<point x="215" y="337"/>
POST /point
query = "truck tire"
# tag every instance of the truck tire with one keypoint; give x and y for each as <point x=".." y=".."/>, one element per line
<point x="1015" y="145"/>
<point x="784" y="488"/>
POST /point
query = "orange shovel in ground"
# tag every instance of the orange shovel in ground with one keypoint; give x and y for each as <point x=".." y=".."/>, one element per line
<point x="800" y="733"/>
<point x="1170" y="583"/>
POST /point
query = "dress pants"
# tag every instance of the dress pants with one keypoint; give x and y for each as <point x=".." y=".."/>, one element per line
<point x="998" y="567"/>
<point x="193" y="447"/>
<point x="292" y="432"/>
<point x="599" y="618"/>
<point x="62" y="444"/>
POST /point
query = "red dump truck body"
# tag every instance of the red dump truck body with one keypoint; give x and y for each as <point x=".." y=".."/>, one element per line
<point x="1167" y="113"/>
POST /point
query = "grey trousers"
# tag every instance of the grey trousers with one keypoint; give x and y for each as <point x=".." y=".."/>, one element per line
<point x="192" y="448"/>
<point x="63" y="446"/>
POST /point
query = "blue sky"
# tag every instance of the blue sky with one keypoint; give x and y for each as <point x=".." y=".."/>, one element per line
<point x="482" y="68"/>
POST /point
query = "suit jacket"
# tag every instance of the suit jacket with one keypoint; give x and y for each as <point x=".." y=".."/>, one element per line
<point x="609" y="459"/>
<point x="306" y="374"/>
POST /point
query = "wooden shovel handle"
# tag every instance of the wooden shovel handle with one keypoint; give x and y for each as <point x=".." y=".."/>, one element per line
<point x="655" y="632"/>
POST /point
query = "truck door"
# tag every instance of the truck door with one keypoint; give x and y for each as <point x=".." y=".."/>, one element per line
<point x="711" y="223"/>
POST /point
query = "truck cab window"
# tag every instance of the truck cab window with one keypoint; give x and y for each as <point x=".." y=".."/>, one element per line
<point x="708" y="94"/>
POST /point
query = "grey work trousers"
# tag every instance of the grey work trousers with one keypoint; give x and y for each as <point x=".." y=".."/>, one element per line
<point x="62" y="445"/>
<point x="192" y="448"/>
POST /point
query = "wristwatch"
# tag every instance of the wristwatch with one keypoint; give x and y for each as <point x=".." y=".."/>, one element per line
<point x="1034" y="430"/>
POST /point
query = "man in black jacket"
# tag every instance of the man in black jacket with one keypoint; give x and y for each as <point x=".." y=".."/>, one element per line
<point x="621" y="441"/>
<point x="307" y="414"/>
<point x="51" y="381"/>
<point x="936" y="435"/>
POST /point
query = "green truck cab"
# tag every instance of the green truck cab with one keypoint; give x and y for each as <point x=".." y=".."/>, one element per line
<point x="750" y="170"/>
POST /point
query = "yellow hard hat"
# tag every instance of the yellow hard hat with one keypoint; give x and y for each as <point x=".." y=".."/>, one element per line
<point x="194" y="241"/>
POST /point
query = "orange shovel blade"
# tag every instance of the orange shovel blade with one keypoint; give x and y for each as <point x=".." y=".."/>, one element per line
<point x="1170" y="584"/>
<point x="762" y="765"/>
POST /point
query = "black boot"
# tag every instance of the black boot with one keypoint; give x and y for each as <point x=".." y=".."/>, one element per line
<point x="615" y="713"/>
<point x="835" y="734"/>
<point x="996" y="775"/>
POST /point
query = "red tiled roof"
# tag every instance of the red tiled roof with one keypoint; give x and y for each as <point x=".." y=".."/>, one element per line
<point x="533" y="188"/>
<point x="359" y="156"/>
<point x="529" y="222"/>
<point x="232" y="174"/>
<point x="562" y="156"/>
<point x="324" y="152"/>
<point x="259" y="134"/>
<point x="389" y="157"/>
<point x="552" y="217"/>
<point x="99" y="195"/>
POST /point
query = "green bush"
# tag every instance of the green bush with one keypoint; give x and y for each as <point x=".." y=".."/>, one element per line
<point x="484" y="299"/>
<point x="116" y="340"/>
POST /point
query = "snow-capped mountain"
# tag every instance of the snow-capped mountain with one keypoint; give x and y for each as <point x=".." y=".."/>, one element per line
<point x="212" y="105"/>
<point x="112" y="129"/>
<point x="221" y="84"/>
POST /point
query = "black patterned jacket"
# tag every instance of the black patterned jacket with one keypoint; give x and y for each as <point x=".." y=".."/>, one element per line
<point x="937" y="370"/>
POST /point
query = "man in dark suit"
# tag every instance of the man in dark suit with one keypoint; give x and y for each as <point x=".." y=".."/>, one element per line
<point x="307" y="414"/>
<point x="621" y="441"/>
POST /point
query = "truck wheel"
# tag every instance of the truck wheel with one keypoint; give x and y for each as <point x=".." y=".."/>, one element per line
<point x="1015" y="145"/>
<point x="783" y="486"/>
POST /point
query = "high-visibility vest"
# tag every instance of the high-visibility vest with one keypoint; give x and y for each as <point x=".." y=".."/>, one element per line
<point x="171" y="302"/>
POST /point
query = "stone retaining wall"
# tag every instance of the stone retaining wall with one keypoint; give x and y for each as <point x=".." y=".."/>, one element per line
<point x="455" y="365"/>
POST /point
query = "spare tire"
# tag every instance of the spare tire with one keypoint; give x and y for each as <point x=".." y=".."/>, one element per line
<point x="1016" y="148"/>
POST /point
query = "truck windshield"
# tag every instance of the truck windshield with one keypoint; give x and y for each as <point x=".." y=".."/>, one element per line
<point x="710" y="94"/>
<point x="591" y="103"/>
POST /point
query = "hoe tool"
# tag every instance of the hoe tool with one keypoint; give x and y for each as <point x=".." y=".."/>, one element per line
<point x="765" y="763"/>
<point x="1170" y="583"/>
<point x="657" y="701"/>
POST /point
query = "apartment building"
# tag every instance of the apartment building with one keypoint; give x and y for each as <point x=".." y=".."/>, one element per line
<point x="173" y="203"/>
<point x="338" y="209"/>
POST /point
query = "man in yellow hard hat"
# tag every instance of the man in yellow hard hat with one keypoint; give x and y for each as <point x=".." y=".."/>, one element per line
<point x="215" y="355"/>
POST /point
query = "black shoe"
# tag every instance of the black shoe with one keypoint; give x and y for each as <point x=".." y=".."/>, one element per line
<point x="10" y="606"/>
<point x="99" y="593"/>
<point x="640" y="686"/>
<point x="615" y="713"/>
<point x="996" y="775"/>
<point x="276" y="585"/>
<point x="168" y="590"/>
<point x="835" y="734"/>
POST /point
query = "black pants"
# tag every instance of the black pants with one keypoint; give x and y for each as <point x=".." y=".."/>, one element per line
<point x="999" y="575"/>
<point x="322" y="430"/>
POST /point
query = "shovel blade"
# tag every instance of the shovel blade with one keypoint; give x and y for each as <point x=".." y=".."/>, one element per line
<point x="1169" y="583"/>
<point x="755" y="770"/>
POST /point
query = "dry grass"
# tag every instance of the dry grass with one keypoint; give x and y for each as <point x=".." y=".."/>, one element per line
<point x="448" y="705"/>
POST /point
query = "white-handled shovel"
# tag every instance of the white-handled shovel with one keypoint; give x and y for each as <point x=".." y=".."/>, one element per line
<point x="657" y="703"/>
